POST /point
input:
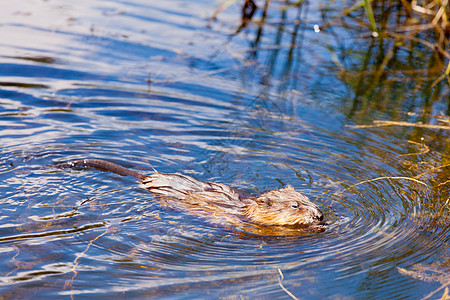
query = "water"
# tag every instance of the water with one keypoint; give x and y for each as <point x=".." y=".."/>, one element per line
<point x="149" y="85"/>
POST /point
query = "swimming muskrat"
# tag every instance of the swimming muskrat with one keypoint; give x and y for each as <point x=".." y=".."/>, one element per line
<point x="283" y="207"/>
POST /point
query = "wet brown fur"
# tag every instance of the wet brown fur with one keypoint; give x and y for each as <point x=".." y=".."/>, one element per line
<point x="283" y="207"/>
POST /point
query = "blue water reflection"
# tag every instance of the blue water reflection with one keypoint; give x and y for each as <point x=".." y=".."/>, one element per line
<point x="150" y="86"/>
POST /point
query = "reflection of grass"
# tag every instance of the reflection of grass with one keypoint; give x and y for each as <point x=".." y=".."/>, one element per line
<point x="406" y="68"/>
<point x="222" y="6"/>
<point x="432" y="15"/>
<point x="406" y="23"/>
<point x="430" y="273"/>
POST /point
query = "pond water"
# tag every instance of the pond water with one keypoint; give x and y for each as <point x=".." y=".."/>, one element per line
<point x="156" y="84"/>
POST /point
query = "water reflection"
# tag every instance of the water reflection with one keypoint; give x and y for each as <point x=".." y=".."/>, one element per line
<point x="256" y="108"/>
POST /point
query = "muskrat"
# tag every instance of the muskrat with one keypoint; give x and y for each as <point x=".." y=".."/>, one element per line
<point x="283" y="207"/>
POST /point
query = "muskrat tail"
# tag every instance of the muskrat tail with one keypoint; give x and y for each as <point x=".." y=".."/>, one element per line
<point x="100" y="164"/>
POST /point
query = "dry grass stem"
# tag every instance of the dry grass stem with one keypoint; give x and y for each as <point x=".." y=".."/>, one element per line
<point x="282" y="286"/>
<point x="421" y="9"/>
<point x="387" y="177"/>
<point x="76" y="262"/>
<point x="380" y="123"/>
<point x="425" y="150"/>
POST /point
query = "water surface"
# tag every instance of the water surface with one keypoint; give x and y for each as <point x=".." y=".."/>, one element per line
<point x="151" y="85"/>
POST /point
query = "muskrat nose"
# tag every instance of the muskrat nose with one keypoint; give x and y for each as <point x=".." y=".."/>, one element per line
<point x="319" y="216"/>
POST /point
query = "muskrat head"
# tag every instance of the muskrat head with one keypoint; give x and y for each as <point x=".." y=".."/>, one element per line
<point x="283" y="207"/>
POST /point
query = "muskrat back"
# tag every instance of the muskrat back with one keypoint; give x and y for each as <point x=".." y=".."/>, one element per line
<point x="277" y="207"/>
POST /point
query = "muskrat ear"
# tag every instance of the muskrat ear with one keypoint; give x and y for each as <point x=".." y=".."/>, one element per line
<point x="263" y="200"/>
<point x="289" y="187"/>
